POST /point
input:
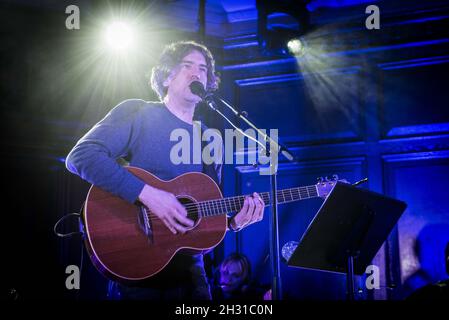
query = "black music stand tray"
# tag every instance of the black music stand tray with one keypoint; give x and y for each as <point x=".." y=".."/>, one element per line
<point x="347" y="232"/>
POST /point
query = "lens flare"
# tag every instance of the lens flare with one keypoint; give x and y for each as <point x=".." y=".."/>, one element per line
<point x="119" y="36"/>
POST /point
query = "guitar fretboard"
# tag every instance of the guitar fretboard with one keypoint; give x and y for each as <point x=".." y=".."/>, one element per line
<point x="235" y="204"/>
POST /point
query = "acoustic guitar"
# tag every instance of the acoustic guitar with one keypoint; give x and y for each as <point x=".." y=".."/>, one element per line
<point x="128" y="243"/>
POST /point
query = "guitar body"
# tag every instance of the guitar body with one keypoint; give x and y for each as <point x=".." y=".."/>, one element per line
<point x="121" y="247"/>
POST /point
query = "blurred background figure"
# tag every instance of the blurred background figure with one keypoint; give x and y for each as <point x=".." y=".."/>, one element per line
<point x="233" y="281"/>
<point x="435" y="291"/>
<point x="427" y="255"/>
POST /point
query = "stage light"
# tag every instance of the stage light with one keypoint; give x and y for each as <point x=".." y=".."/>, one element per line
<point x="296" y="47"/>
<point x="119" y="36"/>
<point x="273" y="38"/>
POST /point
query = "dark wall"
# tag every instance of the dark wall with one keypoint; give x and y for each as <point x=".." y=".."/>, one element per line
<point x="365" y="103"/>
<point x="360" y="104"/>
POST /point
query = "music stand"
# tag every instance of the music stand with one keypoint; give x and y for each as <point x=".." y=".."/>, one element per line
<point x="347" y="232"/>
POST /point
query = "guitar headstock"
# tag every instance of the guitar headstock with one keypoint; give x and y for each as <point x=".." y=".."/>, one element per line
<point x="325" y="185"/>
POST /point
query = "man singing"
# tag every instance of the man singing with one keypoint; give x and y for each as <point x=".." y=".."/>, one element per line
<point x="139" y="132"/>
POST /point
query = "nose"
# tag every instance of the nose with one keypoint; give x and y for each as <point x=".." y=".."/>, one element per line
<point x="195" y="72"/>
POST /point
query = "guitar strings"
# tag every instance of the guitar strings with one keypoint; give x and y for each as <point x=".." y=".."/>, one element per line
<point x="217" y="204"/>
<point x="297" y="192"/>
<point x="194" y="208"/>
<point x="293" y="192"/>
<point x="214" y="204"/>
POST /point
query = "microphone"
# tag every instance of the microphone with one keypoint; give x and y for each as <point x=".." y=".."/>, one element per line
<point x="197" y="89"/>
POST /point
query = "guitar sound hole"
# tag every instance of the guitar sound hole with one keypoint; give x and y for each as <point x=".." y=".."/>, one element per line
<point x="191" y="207"/>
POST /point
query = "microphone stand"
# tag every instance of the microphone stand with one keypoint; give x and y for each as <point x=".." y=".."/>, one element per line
<point x="272" y="149"/>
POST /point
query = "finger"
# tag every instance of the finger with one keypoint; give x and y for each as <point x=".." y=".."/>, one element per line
<point x="174" y="223"/>
<point x="259" y="207"/>
<point x="259" y="214"/>
<point x="251" y="210"/>
<point x="257" y="211"/>
<point x="246" y="203"/>
<point x="251" y="206"/>
<point x="259" y="198"/>
<point x="167" y="223"/>
<point x="240" y="217"/>
<point x="181" y="216"/>
<point x="180" y="208"/>
<point x="244" y="209"/>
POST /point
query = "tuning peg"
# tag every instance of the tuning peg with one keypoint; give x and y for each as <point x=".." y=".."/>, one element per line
<point x="335" y="177"/>
<point x="327" y="179"/>
<point x="320" y="179"/>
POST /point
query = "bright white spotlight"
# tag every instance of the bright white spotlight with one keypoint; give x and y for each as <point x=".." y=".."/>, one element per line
<point x="296" y="47"/>
<point x="119" y="36"/>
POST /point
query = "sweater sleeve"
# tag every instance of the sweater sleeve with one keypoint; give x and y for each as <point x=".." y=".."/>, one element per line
<point x="94" y="157"/>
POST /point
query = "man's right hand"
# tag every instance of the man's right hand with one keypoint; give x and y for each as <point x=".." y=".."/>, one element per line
<point x="167" y="208"/>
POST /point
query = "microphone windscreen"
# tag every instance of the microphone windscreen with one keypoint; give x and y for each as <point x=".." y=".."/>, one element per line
<point x="197" y="89"/>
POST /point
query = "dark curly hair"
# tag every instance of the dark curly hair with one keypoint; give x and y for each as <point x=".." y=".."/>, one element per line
<point x="172" y="56"/>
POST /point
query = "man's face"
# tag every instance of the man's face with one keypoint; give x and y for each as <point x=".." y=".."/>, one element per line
<point x="193" y="67"/>
<point x="232" y="276"/>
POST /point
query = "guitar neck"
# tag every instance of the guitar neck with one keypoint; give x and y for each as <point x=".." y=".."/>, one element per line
<point x="235" y="204"/>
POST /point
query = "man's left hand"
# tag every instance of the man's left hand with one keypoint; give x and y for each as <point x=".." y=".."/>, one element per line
<point x="252" y="211"/>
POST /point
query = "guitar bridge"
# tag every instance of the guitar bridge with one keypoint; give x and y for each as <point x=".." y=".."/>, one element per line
<point x="145" y="223"/>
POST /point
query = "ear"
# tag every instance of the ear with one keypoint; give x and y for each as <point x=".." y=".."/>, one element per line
<point x="166" y="82"/>
<point x="169" y="78"/>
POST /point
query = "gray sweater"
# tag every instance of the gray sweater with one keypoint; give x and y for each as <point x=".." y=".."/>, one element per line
<point x="138" y="132"/>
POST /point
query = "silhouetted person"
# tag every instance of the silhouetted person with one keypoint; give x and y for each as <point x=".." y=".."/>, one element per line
<point x="436" y="291"/>
<point x="428" y="247"/>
